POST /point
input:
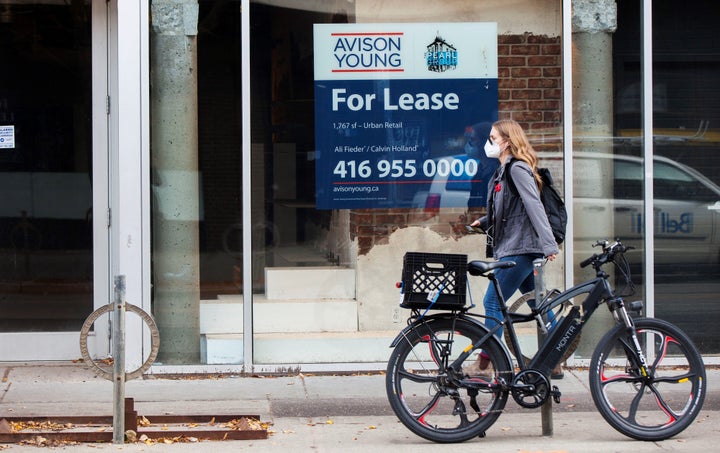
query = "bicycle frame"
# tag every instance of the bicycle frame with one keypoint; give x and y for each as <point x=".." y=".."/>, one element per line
<point x="551" y="350"/>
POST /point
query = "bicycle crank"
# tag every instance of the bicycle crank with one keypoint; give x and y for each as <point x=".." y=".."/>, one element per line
<point x="530" y="389"/>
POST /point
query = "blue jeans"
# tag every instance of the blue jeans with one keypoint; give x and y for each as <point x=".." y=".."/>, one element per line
<point x="518" y="277"/>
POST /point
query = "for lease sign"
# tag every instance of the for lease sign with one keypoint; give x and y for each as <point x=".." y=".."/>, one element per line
<point x="394" y="108"/>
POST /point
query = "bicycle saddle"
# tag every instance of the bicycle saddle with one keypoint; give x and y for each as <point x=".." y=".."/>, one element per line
<point x="478" y="267"/>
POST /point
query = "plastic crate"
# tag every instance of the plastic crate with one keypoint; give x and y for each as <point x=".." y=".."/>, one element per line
<point x="426" y="272"/>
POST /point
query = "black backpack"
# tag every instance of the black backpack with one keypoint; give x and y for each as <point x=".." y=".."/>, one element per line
<point x="551" y="200"/>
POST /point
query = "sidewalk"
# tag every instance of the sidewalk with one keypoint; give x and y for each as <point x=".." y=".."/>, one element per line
<point x="323" y="413"/>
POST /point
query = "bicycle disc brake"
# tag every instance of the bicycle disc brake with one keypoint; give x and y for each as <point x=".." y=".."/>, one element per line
<point x="530" y="389"/>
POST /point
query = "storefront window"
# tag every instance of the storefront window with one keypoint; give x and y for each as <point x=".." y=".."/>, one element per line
<point x="686" y="114"/>
<point x="46" y="236"/>
<point x="304" y="260"/>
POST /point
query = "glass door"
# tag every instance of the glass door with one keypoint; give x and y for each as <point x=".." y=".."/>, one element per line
<point x="46" y="178"/>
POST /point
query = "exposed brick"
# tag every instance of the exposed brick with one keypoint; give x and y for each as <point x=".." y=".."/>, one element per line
<point x="552" y="72"/>
<point x="553" y="94"/>
<point x="512" y="83"/>
<point x="526" y="72"/>
<point x="364" y="244"/>
<point x="544" y="105"/>
<point x="527" y="116"/>
<point x="545" y="60"/>
<point x="543" y="83"/>
<point x="525" y="50"/>
<point x="542" y="39"/>
<point x="503" y="49"/>
<point x="512" y="61"/>
<point x="393" y="219"/>
<point x="362" y="218"/>
<point x="513" y="106"/>
<point x="511" y="39"/>
<point x="550" y="49"/>
<point x="553" y="117"/>
<point x="366" y="230"/>
<point x="527" y="94"/>
<point x="542" y="126"/>
<point x="504" y="95"/>
<point x="503" y="72"/>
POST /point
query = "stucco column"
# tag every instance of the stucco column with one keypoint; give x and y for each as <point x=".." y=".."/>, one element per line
<point x="174" y="140"/>
<point x="593" y="23"/>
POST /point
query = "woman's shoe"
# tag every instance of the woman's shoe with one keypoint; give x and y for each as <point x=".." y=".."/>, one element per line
<point x="473" y="371"/>
<point x="557" y="372"/>
<point x="480" y="368"/>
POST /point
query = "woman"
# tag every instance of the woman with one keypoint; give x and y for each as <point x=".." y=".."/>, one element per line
<point x="516" y="225"/>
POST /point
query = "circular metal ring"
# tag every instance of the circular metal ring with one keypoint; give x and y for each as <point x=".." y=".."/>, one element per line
<point x="109" y="308"/>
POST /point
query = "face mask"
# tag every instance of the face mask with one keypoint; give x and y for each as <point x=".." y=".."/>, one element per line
<point x="492" y="150"/>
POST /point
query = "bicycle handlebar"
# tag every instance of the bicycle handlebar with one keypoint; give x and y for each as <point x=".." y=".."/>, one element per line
<point x="608" y="253"/>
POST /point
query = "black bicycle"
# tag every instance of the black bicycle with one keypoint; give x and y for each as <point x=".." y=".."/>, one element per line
<point x="647" y="378"/>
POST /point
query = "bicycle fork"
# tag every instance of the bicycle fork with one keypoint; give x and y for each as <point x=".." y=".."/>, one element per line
<point x="620" y="314"/>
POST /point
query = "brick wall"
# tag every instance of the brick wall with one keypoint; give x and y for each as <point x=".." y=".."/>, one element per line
<point x="529" y="91"/>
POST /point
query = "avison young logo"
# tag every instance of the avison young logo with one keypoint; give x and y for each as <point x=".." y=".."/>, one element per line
<point x="367" y="52"/>
<point x="441" y="56"/>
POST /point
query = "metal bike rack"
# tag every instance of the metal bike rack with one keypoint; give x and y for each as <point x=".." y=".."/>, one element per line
<point x="125" y="418"/>
<point x="540" y="290"/>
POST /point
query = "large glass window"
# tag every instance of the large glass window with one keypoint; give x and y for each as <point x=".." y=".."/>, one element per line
<point x="609" y="160"/>
<point x="46" y="246"/>
<point x="305" y="280"/>
<point x="686" y="115"/>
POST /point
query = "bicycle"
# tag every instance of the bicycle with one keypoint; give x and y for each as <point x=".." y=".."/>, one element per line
<point x="647" y="378"/>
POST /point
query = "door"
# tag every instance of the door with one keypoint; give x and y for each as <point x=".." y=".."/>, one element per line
<point x="48" y="172"/>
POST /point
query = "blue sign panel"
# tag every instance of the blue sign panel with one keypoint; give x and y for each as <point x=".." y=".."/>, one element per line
<point x="397" y="108"/>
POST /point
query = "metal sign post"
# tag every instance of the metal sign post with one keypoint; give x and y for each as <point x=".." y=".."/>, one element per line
<point x="539" y="276"/>
<point x="118" y="340"/>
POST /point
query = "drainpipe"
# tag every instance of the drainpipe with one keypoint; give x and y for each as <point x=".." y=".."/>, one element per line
<point x="593" y="23"/>
<point x="175" y="182"/>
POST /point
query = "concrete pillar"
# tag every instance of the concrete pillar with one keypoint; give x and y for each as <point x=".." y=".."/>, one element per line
<point x="593" y="23"/>
<point x="174" y="166"/>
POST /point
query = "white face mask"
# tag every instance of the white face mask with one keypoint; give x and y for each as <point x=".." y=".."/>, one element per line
<point x="492" y="150"/>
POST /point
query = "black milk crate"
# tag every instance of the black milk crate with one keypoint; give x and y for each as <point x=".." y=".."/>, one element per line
<point x="425" y="272"/>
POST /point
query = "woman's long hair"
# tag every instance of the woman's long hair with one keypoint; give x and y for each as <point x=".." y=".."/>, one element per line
<point x="520" y="147"/>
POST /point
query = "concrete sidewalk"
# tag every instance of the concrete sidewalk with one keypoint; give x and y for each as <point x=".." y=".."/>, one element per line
<point x="324" y="413"/>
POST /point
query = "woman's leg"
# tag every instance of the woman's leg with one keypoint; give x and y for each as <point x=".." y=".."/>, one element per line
<point x="510" y="280"/>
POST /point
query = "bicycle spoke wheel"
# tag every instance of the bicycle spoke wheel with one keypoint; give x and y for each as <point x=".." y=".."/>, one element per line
<point x="429" y="403"/>
<point x="656" y="406"/>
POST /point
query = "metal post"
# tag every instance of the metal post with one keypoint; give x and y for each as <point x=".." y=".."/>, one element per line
<point x="539" y="276"/>
<point x="118" y="341"/>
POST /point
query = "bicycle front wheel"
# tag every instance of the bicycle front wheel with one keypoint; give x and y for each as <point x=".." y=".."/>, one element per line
<point x="429" y="403"/>
<point x="659" y="405"/>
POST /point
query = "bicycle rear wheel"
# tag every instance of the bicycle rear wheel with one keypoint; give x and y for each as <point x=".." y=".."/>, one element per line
<point x="659" y="405"/>
<point x="425" y="400"/>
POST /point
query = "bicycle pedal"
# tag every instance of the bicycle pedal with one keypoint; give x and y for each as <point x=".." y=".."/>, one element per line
<point x="556" y="394"/>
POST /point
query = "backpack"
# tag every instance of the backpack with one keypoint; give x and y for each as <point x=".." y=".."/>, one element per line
<point x="551" y="200"/>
